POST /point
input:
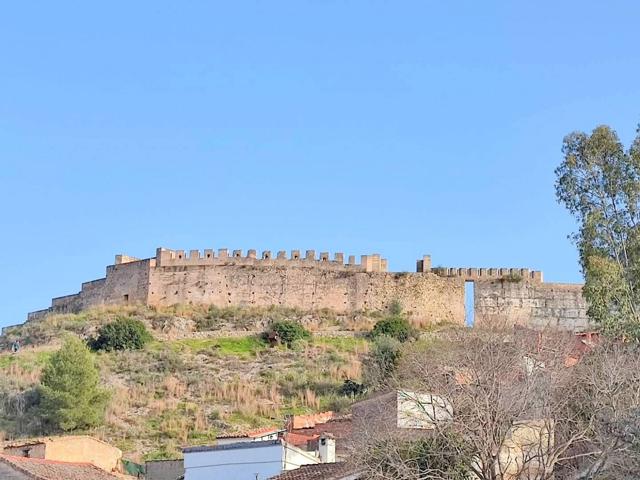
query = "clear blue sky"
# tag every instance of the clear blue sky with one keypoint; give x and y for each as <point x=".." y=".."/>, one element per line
<point x="394" y="127"/>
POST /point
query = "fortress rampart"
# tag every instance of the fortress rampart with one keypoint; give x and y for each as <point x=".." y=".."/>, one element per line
<point x="316" y="281"/>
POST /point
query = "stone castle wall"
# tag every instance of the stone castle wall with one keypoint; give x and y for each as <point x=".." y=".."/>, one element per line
<point x="536" y="305"/>
<point x="519" y="296"/>
<point x="503" y="296"/>
<point x="124" y="283"/>
<point x="426" y="298"/>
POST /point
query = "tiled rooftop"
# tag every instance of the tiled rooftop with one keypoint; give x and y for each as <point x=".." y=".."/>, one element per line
<point x="321" y="471"/>
<point x="231" y="446"/>
<point x="309" y="421"/>
<point x="40" y="469"/>
<point x="257" y="433"/>
<point x="340" y="427"/>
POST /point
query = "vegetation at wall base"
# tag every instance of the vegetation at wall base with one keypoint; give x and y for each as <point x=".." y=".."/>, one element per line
<point x="123" y="334"/>
<point x="288" y="332"/>
<point x="395" y="326"/>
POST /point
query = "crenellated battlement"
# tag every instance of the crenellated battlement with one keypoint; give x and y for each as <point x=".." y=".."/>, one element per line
<point x="171" y="258"/>
<point x="311" y="280"/>
<point x="479" y="274"/>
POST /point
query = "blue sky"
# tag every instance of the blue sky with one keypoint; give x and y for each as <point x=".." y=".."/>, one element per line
<point x="394" y="127"/>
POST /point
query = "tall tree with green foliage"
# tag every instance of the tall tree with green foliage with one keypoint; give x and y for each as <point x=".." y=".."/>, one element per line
<point x="71" y="396"/>
<point x="599" y="183"/>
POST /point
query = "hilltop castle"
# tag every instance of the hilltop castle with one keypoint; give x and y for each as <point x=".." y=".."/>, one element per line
<point x="501" y="295"/>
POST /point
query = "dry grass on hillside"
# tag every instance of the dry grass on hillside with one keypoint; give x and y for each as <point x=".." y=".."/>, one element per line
<point x="181" y="390"/>
<point x="185" y="321"/>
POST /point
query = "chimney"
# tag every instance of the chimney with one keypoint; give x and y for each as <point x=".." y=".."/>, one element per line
<point x="327" y="448"/>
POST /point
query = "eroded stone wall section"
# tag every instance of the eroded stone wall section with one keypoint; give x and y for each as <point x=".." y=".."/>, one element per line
<point x="535" y="305"/>
<point x="124" y="283"/>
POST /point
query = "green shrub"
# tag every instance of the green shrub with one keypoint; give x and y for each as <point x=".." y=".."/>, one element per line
<point x="335" y="404"/>
<point x="122" y="334"/>
<point x="352" y="389"/>
<point x="71" y="397"/>
<point x="394" y="326"/>
<point x="289" y="331"/>
<point x="382" y="360"/>
<point x="512" y="277"/>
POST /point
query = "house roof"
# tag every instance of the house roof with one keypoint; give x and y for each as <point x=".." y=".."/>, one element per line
<point x="20" y="442"/>
<point x="257" y="433"/>
<point x="340" y="427"/>
<point x="40" y="469"/>
<point x="309" y="421"/>
<point x="299" y="439"/>
<point x="321" y="471"/>
<point x="231" y="446"/>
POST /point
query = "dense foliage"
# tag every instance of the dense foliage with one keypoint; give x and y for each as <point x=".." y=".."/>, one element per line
<point x="394" y="326"/>
<point x="122" y="334"/>
<point x="382" y="360"/>
<point x="352" y="389"/>
<point x="599" y="183"/>
<point x="289" y="331"/>
<point x="71" y="397"/>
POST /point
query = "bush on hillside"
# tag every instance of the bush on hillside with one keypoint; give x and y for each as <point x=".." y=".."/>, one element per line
<point x="394" y="326"/>
<point x="122" y="334"/>
<point x="289" y="332"/>
<point x="352" y="389"/>
<point x="71" y="397"/>
<point x="382" y="361"/>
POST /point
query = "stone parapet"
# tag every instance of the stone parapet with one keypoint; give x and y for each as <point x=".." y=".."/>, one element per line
<point x="172" y="258"/>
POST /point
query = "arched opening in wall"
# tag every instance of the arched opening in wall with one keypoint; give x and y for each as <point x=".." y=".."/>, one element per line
<point x="469" y="303"/>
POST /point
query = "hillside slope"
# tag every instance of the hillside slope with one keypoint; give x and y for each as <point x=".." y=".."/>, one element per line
<point x="207" y="372"/>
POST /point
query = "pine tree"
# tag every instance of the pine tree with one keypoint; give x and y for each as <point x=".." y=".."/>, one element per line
<point x="71" y="397"/>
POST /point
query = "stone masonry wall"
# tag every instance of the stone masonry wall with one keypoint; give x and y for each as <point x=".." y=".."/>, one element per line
<point x="124" y="283"/>
<point x="503" y="296"/>
<point x="536" y="305"/>
<point x="426" y="298"/>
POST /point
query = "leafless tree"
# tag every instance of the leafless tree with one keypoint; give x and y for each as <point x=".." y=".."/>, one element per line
<point x="525" y="405"/>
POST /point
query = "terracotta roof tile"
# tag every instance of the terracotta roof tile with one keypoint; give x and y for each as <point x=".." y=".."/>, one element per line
<point x="309" y="421"/>
<point x="340" y="428"/>
<point x="299" y="439"/>
<point x="321" y="471"/>
<point x="40" y="469"/>
<point x="259" y="432"/>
